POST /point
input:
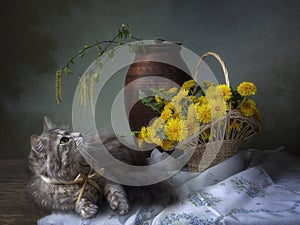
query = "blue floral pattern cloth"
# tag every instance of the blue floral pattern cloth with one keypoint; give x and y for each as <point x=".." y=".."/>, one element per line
<point x="252" y="187"/>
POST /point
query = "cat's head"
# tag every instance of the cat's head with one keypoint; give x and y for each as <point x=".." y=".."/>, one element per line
<point x="59" y="148"/>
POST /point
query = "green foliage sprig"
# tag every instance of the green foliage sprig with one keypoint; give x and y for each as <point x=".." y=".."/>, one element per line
<point x="122" y="36"/>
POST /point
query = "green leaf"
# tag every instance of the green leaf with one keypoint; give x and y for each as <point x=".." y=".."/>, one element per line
<point x="82" y="54"/>
<point x="99" y="55"/>
<point x="99" y="48"/>
<point x="134" y="48"/>
<point x="67" y="70"/>
<point x="142" y="95"/>
<point x="111" y="53"/>
<point x="155" y="108"/>
<point x="100" y="65"/>
<point x="124" y="32"/>
<point x="127" y="33"/>
<point x="97" y="76"/>
<point x="120" y="34"/>
<point x="100" y="51"/>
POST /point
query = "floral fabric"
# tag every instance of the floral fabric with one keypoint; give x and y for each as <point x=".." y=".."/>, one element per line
<point x="252" y="187"/>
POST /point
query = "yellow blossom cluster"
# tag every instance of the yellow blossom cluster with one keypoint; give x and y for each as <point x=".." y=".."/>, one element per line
<point x="184" y="111"/>
<point x="246" y="89"/>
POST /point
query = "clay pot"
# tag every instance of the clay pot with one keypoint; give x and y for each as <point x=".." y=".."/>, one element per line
<point x="149" y="65"/>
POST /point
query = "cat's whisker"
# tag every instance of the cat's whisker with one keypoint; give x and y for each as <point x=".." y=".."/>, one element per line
<point x="92" y="140"/>
<point x="89" y="132"/>
<point x="91" y="143"/>
<point x="92" y="149"/>
<point x="89" y="147"/>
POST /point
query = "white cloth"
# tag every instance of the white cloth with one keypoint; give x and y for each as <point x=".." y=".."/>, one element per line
<point x="252" y="187"/>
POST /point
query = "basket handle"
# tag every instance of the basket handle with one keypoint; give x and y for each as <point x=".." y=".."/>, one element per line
<point x="225" y="71"/>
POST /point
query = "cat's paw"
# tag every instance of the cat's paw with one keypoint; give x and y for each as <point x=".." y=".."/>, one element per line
<point x="119" y="204"/>
<point x="86" y="208"/>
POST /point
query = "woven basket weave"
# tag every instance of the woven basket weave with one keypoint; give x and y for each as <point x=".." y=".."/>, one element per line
<point x="226" y="141"/>
<point x="210" y="154"/>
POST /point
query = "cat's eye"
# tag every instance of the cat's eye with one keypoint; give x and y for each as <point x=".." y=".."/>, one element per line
<point x="64" y="140"/>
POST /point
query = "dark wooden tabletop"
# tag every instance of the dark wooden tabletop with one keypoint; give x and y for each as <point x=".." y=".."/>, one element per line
<point x="15" y="206"/>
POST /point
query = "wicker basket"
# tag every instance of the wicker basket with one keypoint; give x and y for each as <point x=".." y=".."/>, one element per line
<point x="226" y="141"/>
<point x="210" y="154"/>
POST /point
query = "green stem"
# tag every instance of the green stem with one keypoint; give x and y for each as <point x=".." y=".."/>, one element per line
<point x="109" y="43"/>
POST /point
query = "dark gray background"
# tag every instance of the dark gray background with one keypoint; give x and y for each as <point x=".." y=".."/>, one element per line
<point x="259" y="41"/>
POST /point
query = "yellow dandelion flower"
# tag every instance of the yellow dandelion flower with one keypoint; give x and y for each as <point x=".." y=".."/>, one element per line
<point x="192" y="126"/>
<point x="180" y="101"/>
<point x="214" y="92"/>
<point x="167" y="145"/>
<point x="175" y="129"/>
<point x="176" y="114"/>
<point x="158" y="123"/>
<point x="166" y="114"/>
<point x="192" y="112"/>
<point x="148" y="134"/>
<point x="152" y="138"/>
<point x="178" y="109"/>
<point x="156" y="127"/>
<point x="202" y="100"/>
<point x="182" y="94"/>
<point x="188" y="84"/>
<point x="157" y="98"/>
<point x="171" y="90"/>
<point x="194" y="98"/>
<point x="246" y="89"/>
<point x="169" y="105"/>
<point x="145" y="133"/>
<point x="226" y="91"/>
<point x="156" y="140"/>
<point x="204" y="113"/>
<point x="247" y="108"/>
<point x="197" y="106"/>
<point x="217" y="108"/>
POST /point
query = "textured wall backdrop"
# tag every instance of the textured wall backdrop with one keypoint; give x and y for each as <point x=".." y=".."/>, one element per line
<point x="259" y="41"/>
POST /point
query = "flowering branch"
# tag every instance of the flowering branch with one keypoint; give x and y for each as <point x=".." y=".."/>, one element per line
<point x="123" y="33"/>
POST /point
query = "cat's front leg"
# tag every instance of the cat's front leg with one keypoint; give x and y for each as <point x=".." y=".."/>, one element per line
<point x="116" y="197"/>
<point x="86" y="208"/>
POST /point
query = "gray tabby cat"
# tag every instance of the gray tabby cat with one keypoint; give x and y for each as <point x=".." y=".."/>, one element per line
<point x="54" y="162"/>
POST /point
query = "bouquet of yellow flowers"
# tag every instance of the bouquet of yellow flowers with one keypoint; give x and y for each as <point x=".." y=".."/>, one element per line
<point x="212" y="113"/>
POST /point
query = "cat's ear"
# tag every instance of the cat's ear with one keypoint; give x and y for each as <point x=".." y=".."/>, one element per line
<point x="37" y="144"/>
<point x="47" y="124"/>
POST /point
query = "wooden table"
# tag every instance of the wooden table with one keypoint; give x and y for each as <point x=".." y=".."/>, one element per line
<point x="15" y="206"/>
